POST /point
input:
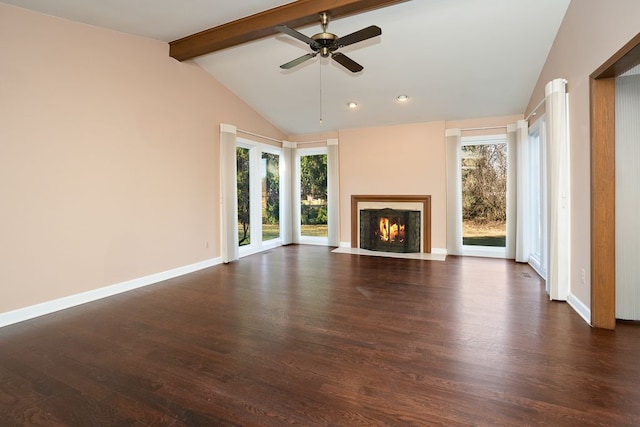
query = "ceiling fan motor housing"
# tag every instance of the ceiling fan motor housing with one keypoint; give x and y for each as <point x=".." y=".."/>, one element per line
<point x="326" y="43"/>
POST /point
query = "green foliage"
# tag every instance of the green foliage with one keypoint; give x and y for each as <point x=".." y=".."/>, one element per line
<point x="313" y="214"/>
<point x="313" y="171"/>
<point x="271" y="187"/>
<point x="484" y="183"/>
<point x="313" y="189"/>
<point x="313" y="177"/>
<point x="242" y="163"/>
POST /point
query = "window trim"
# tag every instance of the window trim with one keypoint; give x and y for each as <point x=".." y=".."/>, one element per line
<point x="477" y="250"/>
<point x="298" y="237"/>
<point x="255" y="195"/>
<point x="538" y="261"/>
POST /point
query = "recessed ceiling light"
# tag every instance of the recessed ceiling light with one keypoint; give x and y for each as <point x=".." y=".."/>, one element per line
<point x="402" y="98"/>
<point x="352" y="105"/>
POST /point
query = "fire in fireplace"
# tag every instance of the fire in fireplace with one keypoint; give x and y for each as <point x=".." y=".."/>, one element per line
<point x="390" y="230"/>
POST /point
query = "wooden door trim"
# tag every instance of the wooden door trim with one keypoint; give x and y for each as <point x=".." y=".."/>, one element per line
<point x="603" y="174"/>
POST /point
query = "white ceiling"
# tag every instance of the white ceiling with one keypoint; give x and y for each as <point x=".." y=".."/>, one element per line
<point x="455" y="59"/>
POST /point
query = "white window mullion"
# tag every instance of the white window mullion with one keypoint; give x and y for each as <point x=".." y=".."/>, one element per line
<point x="256" y="197"/>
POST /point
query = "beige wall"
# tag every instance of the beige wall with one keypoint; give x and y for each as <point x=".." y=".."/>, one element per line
<point x="406" y="159"/>
<point x="108" y="158"/>
<point x="592" y="31"/>
<point x="403" y="159"/>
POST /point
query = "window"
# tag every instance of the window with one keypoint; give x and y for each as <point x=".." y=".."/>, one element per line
<point x="537" y="231"/>
<point x="312" y="184"/>
<point x="484" y="195"/>
<point x="258" y="184"/>
<point x="270" y="201"/>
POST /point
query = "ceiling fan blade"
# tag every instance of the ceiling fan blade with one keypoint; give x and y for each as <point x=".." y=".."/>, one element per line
<point x="347" y="62"/>
<point x="298" y="61"/>
<point x="297" y="35"/>
<point x="358" y="36"/>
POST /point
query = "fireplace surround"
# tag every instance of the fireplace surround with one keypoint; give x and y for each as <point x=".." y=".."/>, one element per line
<point x="359" y="202"/>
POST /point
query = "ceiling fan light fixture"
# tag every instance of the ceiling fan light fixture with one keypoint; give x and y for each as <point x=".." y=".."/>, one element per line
<point x="352" y="105"/>
<point x="402" y="98"/>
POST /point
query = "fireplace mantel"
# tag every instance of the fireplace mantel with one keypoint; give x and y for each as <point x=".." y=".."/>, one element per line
<point x="426" y="214"/>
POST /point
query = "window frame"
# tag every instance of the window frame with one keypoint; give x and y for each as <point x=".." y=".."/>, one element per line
<point x="255" y="196"/>
<point x="478" y="250"/>
<point x="299" y="238"/>
<point x="539" y="260"/>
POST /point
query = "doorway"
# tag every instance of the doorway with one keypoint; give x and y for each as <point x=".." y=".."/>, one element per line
<point x="603" y="242"/>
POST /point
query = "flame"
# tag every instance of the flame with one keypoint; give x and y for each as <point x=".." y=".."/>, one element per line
<point x="384" y="229"/>
<point x="393" y="232"/>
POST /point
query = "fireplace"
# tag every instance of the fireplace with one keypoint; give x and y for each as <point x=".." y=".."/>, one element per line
<point x="419" y="203"/>
<point x="390" y="230"/>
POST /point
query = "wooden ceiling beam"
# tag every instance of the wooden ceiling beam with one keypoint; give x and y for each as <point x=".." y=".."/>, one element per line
<point x="296" y="14"/>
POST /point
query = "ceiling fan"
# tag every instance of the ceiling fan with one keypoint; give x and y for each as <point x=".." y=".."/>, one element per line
<point x="326" y="44"/>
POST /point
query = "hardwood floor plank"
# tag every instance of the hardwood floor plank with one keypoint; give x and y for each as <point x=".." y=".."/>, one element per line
<point x="300" y="335"/>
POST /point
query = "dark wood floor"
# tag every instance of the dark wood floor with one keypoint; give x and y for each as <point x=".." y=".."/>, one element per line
<point x="299" y="335"/>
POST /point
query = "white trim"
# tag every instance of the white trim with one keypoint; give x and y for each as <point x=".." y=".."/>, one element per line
<point x="484" y="251"/>
<point x="257" y="135"/>
<point x="311" y="151"/>
<point x="483" y="128"/>
<point x="313" y="240"/>
<point x="454" y="191"/>
<point x="228" y="128"/>
<point x="345" y="245"/>
<point x="498" y="138"/>
<point x="452" y="132"/>
<point x="289" y="144"/>
<point x="256" y="149"/>
<point x="320" y="141"/>
<point x="332" y="141"/>
<point x="52" y="306"/>
<point x="535" y="264"/>
<point x="489" y="251"/>
<point x="297" y="232"/>
<point x="579" y="308"/>
<point x="264" y="246"/>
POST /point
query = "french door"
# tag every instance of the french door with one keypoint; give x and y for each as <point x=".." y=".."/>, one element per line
<point x="259" y="196"/>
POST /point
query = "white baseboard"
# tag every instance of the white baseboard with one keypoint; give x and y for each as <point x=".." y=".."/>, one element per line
<point x="48" y="307"/>
<point x="484" y="251"/>
<point x="345" y="245"/>
<point x="579" y="308"/>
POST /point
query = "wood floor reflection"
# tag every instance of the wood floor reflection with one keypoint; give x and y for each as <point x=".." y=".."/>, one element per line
<point x="300" y="335"/>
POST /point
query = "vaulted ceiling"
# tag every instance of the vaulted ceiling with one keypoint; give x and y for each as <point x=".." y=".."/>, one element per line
<point x="454" y="59"/>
